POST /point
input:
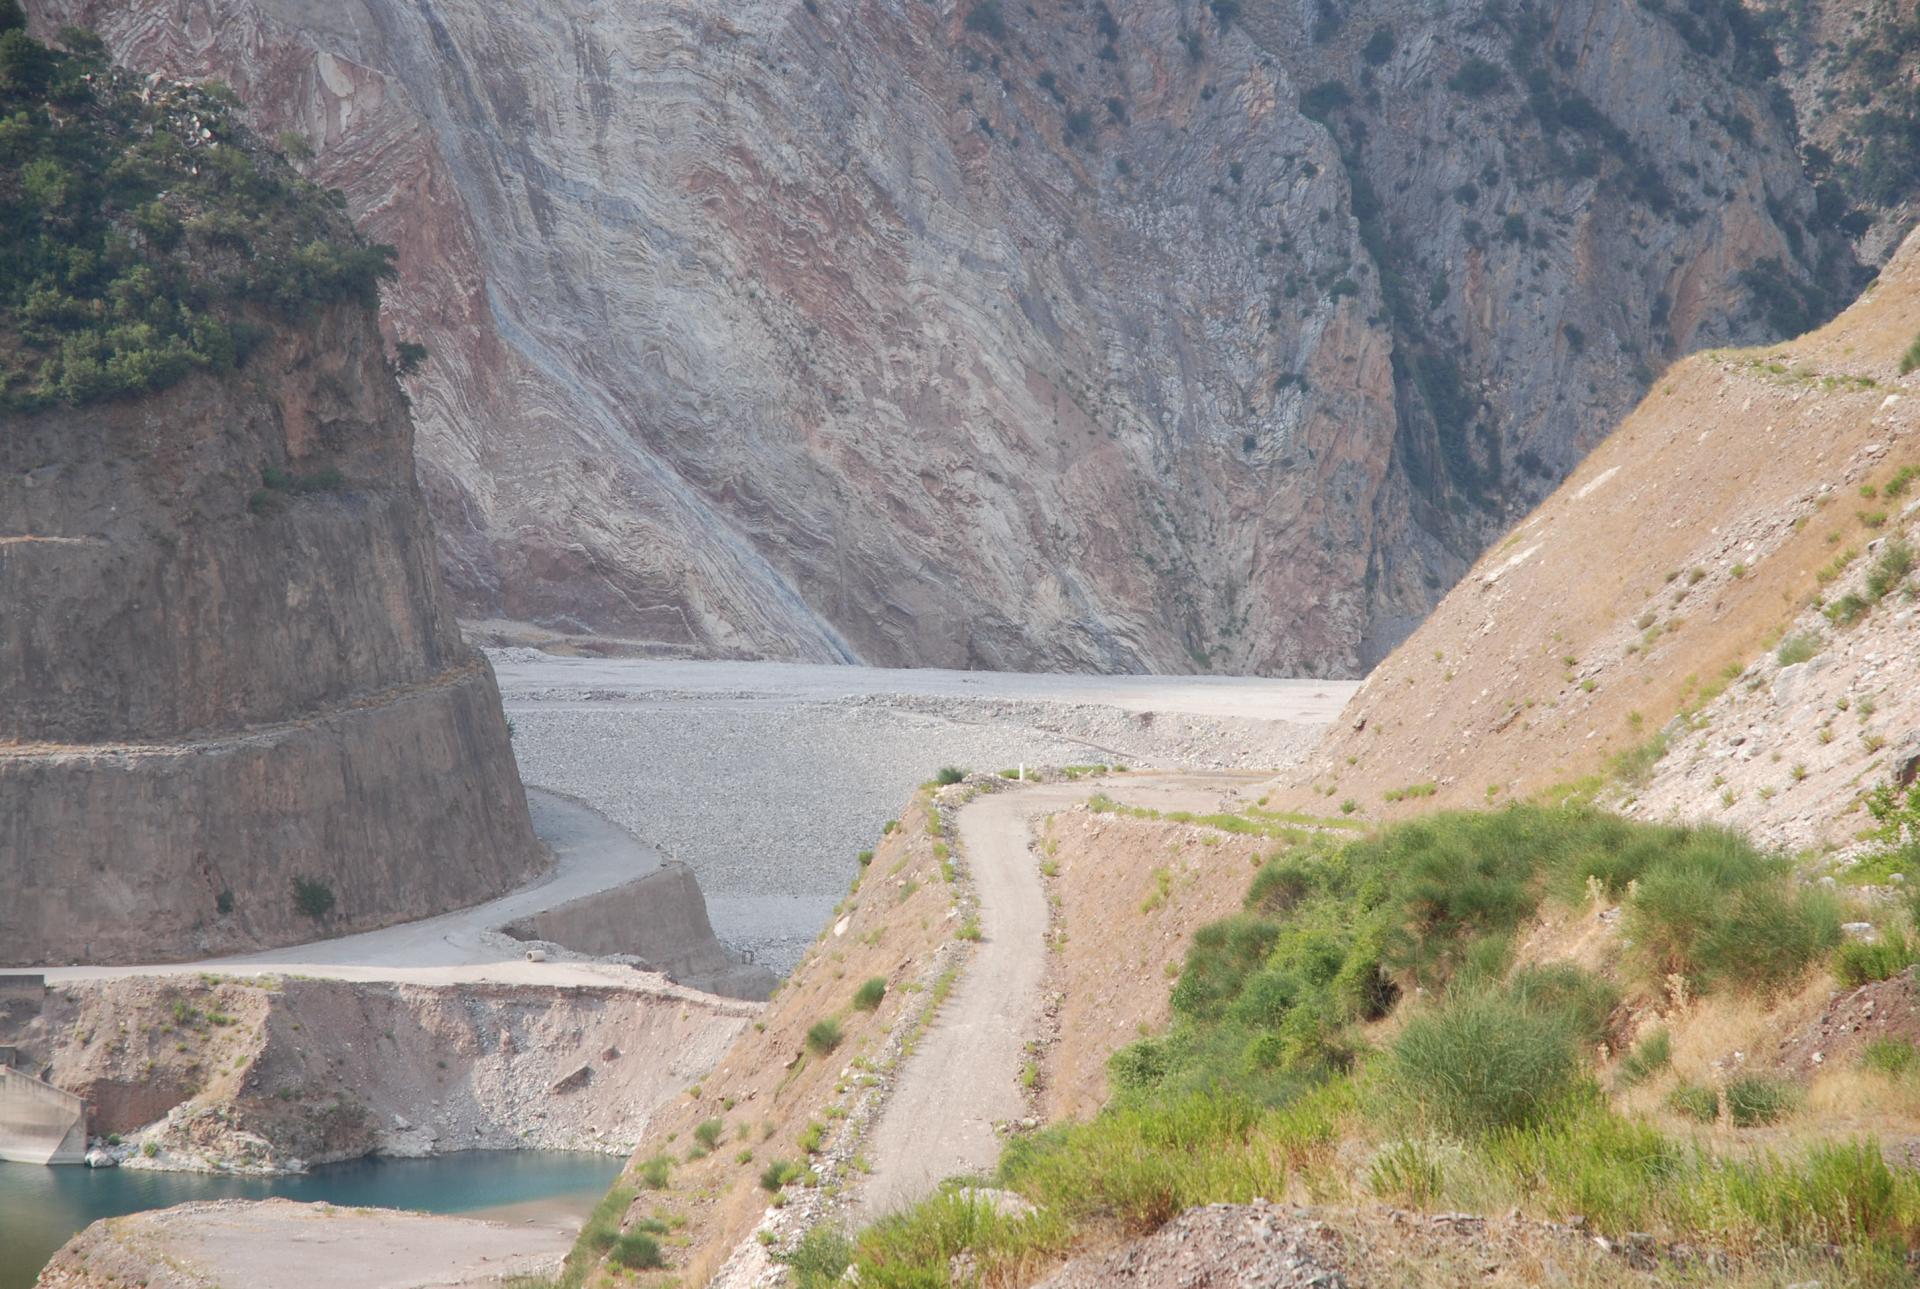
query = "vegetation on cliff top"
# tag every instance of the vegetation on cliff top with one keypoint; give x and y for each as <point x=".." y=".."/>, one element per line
<point x="148" y="234"/>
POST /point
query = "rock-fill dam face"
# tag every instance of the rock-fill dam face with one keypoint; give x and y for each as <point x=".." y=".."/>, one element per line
<point x="235" y="708"/>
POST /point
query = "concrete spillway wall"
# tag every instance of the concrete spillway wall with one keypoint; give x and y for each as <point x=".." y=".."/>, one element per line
<point x="39" y="1123"/>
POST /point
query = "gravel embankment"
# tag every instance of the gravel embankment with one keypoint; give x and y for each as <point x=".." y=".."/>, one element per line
<point x="769" y="797"/>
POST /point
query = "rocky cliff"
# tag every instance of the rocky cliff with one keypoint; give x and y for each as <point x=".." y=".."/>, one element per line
<point x="235" y="708"/>
<point x="1136" y="334"/>
<point x="1852" y="72"/>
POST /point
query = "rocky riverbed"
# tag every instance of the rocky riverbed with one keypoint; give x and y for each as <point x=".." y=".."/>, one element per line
<point x="768" y="779"/>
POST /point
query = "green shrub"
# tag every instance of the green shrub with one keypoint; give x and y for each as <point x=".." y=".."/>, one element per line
<point x="1858" y="963"/>
<point x="149" y="231"/>
<point x="1797" y="648"/>
<point x="709" y="1132"/>
<point x="824" y="1036"/>
<point x="1648" y="1057"/>
<point x="1323" y="99"/>
<point x="1482" y="1063"/>
<point x="1412" y="792"/>
<point x="1219" y="960"/>
<point x="1580" y="999"/>
<point x="1406" y="1172"/>
<point x="1889" y="568"/>
<point x="1626" y="1176"/>
<point x="870" y="993"/>
<point x="778" y="1173"/>
<point x="656" y="1172"/>
<point x="985" y="18"/>
<point x="1889" y="1056"/>
<point x="1379" y="47"/>
<point x="1847" y="609"/>
<point x="1911" y="358"/>
<point x="312" y="897"/>
<point x="1695" y="1101"/>
<point x="1755" y="1099"/>
<point x="637" y="1251"/>
<point x="1721" y="913"/>
<point x="1477" y="78"/>
<point x="916" y="1249"/>
<point x="1280" y="884"/>
<point x="820" y="1259"/>
<point x="949" y="774"/>
<point x="1140" y="1162"/>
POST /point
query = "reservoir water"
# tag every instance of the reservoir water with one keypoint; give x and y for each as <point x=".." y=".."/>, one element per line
<point x="40" y="1208"/>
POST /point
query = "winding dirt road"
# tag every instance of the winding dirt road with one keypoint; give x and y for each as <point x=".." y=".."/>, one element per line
<point x="963" y="1078"/>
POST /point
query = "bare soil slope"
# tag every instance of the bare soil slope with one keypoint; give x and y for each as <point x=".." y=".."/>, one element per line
<point x="1669" y="561"/>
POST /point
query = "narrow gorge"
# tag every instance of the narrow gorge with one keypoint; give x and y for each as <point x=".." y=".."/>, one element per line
<point x="1115" y="336"/>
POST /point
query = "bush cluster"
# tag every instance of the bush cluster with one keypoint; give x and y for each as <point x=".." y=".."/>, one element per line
<point x="1488" y="1086"/>
<point x="150" y="234"/>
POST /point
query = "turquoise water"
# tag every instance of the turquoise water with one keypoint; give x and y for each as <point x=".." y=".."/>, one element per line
<point x="40" y="1208"/>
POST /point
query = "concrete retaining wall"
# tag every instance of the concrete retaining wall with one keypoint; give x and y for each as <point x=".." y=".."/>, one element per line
<point x="40" y="1124"/>
<point x="660" y="918"/>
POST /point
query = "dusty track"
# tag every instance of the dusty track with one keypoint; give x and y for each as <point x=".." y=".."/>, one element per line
<point x="963" y="1078"/>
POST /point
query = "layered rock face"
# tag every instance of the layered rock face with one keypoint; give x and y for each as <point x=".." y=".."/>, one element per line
<point x="230" y="667"/>
<point x="1134" y="335"/>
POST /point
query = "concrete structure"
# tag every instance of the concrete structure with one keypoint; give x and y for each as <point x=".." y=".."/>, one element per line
<point x="39" y="1123"/>
<point x="661" y="919"/>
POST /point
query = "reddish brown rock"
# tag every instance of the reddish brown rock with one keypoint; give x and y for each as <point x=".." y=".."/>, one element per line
<point x="214" y="686"/>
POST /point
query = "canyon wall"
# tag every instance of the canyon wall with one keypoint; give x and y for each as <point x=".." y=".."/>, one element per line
<point x="231" y="670"/>
<point x="1146" y="334"/>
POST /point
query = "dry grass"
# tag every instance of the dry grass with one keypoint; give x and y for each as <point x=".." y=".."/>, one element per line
<point x="770" y="1085"/>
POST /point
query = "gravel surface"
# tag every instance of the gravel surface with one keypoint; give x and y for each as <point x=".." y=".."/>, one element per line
<point x="768" y="784"/>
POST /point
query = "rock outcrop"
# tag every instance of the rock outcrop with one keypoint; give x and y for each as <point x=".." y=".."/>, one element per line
<point x="1137" y="335"/>
<point x="235" y="708"/>
<point x="260" y="1075"/>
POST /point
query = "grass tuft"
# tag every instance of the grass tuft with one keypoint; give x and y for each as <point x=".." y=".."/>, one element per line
<point x="1754" y="1100"/>
<point x="824" y="1036"/>
<point x="1483" y="1063"/>
<point x="1858" y="963"/>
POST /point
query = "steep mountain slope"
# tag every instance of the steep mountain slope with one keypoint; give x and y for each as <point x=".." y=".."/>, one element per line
<point x="1147" y="334"/>
<point x="235" y="707"/>
<point x="1853" y="73"/>
<point x="1665" y="571"/>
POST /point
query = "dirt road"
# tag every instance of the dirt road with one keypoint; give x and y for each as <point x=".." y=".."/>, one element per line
<point x="964" y="1076"/>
